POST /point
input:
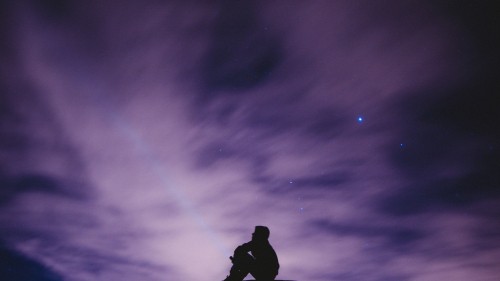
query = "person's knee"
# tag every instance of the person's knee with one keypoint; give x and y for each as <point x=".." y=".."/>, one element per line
<point x="243" y="260"/>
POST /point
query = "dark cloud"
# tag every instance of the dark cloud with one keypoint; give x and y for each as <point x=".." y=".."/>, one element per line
<point x="56" y="10"/>
<point x="458" y="133"/>
<point x="479" y="23"/>
<point x="27" y="183"/>
<point x="327" y="124"/>
<point x="242" y="53"/>
<point x="456" y="129"/>
<point x="443" y="194"/>
<point x="395" y="238"/>
<point x="33" y="146"/>
<point x="485" y="234"/>
<point x="16" y="266"/>
<point x="35" y="156"/>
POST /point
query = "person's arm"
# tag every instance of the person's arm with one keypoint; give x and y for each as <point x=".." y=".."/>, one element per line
<point x="241" y="250"/>
<point x="247" y="247"/>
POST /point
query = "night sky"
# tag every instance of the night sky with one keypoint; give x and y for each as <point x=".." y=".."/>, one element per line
<point x="143" y="140"/>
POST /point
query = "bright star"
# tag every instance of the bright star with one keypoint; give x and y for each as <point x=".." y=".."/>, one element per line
<point x="360" y="119"/>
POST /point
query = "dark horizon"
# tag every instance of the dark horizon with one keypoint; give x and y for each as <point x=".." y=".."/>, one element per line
<point x="143" y="140"/>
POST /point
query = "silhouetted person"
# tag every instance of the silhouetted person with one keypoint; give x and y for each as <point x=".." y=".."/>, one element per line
<point x="256" y="257"/>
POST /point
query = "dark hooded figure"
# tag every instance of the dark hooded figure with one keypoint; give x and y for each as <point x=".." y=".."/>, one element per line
<point x="256" y="257"/>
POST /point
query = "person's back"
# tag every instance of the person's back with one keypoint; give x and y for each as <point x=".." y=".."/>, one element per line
<point x="266" y="258"/>
<point x="262" y="264"/>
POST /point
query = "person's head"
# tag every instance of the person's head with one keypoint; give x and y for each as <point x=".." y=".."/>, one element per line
<point x="261" y="233"/>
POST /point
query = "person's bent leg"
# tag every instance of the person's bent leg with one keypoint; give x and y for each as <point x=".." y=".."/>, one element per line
<point x="242" y="265"/>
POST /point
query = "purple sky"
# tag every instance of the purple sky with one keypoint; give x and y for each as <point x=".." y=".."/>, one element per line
<point x="143" y="140"/>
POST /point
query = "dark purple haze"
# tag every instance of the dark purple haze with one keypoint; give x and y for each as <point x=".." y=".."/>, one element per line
<point x="143" y="140"/>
